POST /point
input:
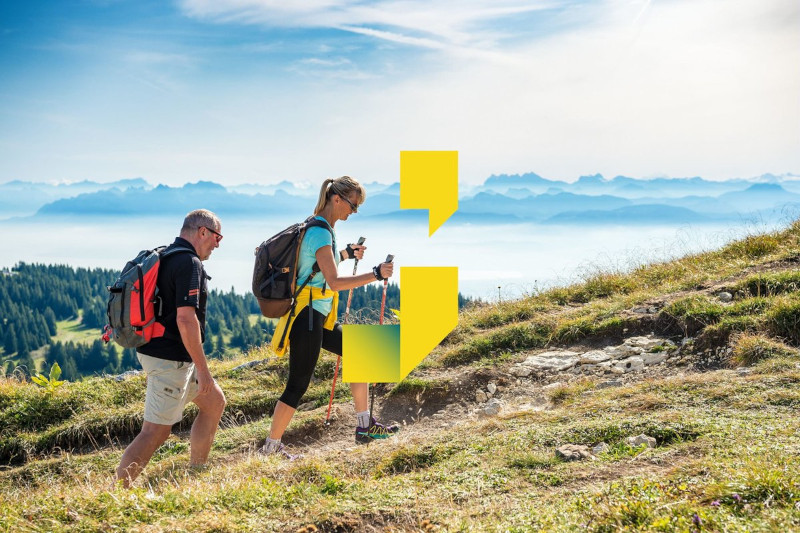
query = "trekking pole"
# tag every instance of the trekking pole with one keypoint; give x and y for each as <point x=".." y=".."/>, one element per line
<point x="339" y="358"/>
<point x="389" y="259"/>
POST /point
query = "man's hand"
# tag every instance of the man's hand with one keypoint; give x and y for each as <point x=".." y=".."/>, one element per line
<point x="189" y="327"/>
<point x="204" y="381"/>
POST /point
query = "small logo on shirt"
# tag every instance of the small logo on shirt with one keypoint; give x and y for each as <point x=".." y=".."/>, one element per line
<point x="194" y="292"/>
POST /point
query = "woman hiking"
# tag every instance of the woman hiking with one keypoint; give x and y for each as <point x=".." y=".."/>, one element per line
<point x="314" y="325"/>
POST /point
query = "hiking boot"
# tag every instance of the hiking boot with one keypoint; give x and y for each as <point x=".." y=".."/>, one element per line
<point x="280" y="451"/>
<point x="375" y="431"/>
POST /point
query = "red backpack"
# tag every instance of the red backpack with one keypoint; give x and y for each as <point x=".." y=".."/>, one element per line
<point x="132" y="300"/>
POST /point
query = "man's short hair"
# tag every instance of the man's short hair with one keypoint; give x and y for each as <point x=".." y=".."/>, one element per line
<point x="199" y="218"/>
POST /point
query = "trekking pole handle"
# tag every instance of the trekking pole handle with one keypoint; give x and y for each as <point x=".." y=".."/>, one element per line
<point x="350" y="252"/>
<point x="360" y="243"/>
<point x="389" y="259"/>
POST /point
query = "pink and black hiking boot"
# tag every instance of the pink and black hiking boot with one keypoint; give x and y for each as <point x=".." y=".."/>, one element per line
<point x="375" y="431"/>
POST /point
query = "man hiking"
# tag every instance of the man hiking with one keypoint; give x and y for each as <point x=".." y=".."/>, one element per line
<point x="176" y="367"/>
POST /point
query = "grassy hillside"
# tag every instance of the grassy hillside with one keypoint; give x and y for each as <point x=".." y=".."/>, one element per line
<point x="723" y="409"/>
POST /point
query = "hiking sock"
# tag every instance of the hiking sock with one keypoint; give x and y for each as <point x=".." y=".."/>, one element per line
<point x="363" y="419"/>
<point x="272" y="445"/>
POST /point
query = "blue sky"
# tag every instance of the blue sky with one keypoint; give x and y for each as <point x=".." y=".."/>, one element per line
<point x="259" y="91"/>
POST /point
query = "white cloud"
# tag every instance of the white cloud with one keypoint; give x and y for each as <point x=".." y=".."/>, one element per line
<point x="678" y="87"/>
<point x="683" y="88"/>
<point x="436" y="24"/>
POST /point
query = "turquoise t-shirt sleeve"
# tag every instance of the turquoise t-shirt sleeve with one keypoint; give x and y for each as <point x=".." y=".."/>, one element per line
<point x="317" y="238"/>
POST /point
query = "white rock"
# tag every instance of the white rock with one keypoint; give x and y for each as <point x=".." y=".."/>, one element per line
<point x="631" y="364"/>
<point x="491" y="408"/>
<point x="725" y="297"/>
<point x="552" y="386"/>
<point x="645" y="343"/>
<point x="556" y="353"/>
<point x="492" y="388"/>
<point x="622" y="351"/>
<point x="653" y="358"/>
<point x="521" y="371"/>
<point x="641" y="439"/>
<point x="573" y="452"/>
<point x="480" y="396"/>
<point x="599" y="448"/>
<point x="552" y="360"/>
<point x="594" y="357"/>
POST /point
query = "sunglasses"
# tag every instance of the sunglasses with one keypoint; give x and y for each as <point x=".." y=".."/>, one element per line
<point x="216" y="233"/>
<point x="353" y="206"/>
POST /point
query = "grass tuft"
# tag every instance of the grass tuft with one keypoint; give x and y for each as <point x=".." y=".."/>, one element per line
<point x="411" y="459"/>
<point x="783" y="320"/>
<point x="411" y="385"/>
<point x="749" y="349"/>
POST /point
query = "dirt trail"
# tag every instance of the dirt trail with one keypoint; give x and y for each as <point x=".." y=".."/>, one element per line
<point x="423" y="413"/>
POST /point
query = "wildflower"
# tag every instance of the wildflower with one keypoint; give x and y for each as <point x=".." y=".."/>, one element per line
<point x="737" y="498"/>
<point x="696" y="520"/>
<point x="715" y="503"/>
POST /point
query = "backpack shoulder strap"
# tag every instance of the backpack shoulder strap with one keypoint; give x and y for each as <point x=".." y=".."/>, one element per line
<point x="314" y="222"/>
<point x="166" y="252"/>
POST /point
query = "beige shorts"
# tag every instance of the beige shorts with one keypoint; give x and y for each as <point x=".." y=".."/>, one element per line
<point x="170" y="386"/>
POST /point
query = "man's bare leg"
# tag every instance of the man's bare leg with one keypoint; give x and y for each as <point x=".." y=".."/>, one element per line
<point x="139" y="452"/>
<point x="211" y="406"/>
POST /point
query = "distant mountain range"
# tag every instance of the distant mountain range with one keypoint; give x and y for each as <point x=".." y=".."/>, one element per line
<point x="500" y="199"/>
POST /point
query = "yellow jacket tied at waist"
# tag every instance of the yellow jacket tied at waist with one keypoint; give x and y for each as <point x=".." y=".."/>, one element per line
<point x="303" y="300"/>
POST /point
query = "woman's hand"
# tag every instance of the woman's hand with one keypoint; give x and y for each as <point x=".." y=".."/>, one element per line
<point x="354" y="251"/>
<point x="383" y="271"/>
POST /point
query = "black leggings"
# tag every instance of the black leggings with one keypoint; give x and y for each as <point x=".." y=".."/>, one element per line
<point x="304" y="348"/>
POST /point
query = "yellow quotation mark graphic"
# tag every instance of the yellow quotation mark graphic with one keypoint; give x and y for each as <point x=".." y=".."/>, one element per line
<point x="429" y="295"/>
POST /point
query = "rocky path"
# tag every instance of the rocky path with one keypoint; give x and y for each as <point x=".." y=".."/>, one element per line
<point x="470" y="394"/>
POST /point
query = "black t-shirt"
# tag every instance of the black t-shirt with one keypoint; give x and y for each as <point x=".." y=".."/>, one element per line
<point x="181" y="283"/>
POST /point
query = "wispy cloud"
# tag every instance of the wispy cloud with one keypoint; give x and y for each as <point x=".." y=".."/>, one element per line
<point x="560" y="87"/>
<point x="329" y="68"/>
<point x="434" y="24"/>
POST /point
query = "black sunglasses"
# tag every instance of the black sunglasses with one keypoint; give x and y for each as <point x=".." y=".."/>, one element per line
<point x="219" y="235"/>
<point x="353" y="206"/>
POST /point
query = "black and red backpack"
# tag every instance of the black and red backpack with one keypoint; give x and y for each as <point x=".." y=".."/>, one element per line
<point x="133" y="303"/>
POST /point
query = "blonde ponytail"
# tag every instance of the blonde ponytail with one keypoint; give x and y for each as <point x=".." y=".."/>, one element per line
<point x="323" y="196"/>
<point x="342" y="186"/>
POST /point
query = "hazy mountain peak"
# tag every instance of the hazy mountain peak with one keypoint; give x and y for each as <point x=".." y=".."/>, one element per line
<point x="591" y="179"/>
<point x="205" y="186"/>
<point x="765" y="188"/>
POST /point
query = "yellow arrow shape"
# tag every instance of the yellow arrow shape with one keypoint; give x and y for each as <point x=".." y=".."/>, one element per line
<point x="387" y="354"/>
<point x="429" y="180"/>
